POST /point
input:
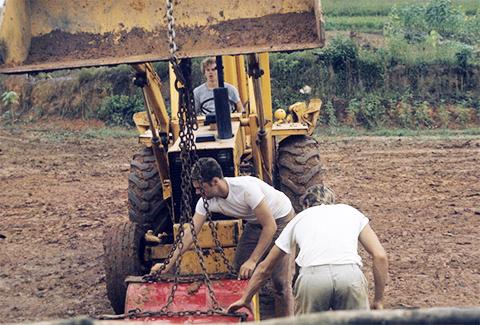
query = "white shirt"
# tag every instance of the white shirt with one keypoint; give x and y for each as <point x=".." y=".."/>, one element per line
<point x="244" y="194"/>
<point x="325" y="234"/>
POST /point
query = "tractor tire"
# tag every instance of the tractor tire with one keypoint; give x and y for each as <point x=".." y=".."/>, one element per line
<point x="146" y="205"/>
<point x="123" y="256"/>
<point x="298" y="167"/>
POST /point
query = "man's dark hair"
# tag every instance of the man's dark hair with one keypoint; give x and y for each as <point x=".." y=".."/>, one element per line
<point x="205" y="169"/>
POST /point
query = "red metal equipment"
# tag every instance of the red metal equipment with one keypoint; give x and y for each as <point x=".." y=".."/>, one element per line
<point x="148" y="298"/>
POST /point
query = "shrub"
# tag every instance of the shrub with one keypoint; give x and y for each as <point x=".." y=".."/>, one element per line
<point x="462" y="115"/>
<point x="331" y="117"/>
<point x="443" y="115"/>
<point x="119" y="109"/>
<point x="368" y="112"/>
<point x="422" y="115"/>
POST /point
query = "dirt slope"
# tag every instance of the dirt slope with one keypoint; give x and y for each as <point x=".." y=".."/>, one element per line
<point x="57" y="195"/>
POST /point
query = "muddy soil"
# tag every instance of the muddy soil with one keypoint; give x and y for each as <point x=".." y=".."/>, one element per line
<point x="234" y="36"/>
<point x="59" y="193"/>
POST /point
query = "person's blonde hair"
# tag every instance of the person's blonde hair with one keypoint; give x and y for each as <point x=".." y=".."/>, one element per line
<point x="206" y="62"/>
<point x="317" y="195"/>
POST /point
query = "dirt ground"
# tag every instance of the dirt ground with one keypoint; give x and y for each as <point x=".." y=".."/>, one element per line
<point x="59" y="193"/>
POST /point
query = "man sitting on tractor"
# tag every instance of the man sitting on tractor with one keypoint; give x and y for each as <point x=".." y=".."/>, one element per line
<point x="266" y="211"/>
<point x="203" y="94"/>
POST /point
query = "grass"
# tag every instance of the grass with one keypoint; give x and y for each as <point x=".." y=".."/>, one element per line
<point x="370" y="15"/>
<point x="89" y="133"/>
<point x="381" y="7"/>
<point x="356" y="23"/>
<point x="439" y="133"/>
<point x="109" y="133"/>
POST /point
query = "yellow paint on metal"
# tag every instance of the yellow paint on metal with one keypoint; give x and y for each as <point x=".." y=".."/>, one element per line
<point x="190" y="263"/>
<point x="166" y="189"/>
<point x="239" y="150"/>
<point x="15" y="33"/>
<point x="306" y="113"/>
<point x="91" y="32"/>
<point x="141" y="122"/>
<point x="286" y="129"/>
<point x="242" y="79"/>
<point x="266" y="86"/>
<point x="256" y="307"/>
<point x="93" y="16"/>
<point x="228" y="231"/>
<point x="173" y="94"/>
<point x="257" y="158"/>
<point x="251" y="97"/>
<point x="230" y="70"/>
<point x="280" y="114"/>
<point x="213" y="261"/>
<point x="157" y="252"/>
<point x="154" y="96"/>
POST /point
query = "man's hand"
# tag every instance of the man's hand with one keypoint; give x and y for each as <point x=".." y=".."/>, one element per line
<point x="157" y="269"/>
<point x="239" y="304"/>
<point x="377" y="305"/>
<point x="246" y="270"/>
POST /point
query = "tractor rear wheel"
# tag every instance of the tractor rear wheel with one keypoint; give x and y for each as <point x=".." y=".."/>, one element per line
<point x="123" y="256"/>
<point x="146" y="205"/>
<point x="298" y="167"/>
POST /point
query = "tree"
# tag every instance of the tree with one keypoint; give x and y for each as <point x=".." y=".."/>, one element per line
<point x="10" y="99"/>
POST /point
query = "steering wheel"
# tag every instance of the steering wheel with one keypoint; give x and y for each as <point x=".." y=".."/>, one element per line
<point x="203" y="109"/>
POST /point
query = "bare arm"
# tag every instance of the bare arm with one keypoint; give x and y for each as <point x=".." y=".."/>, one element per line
<point x="260" y="276"/>
<point x="239" y="106"/>
<point x="370" y="242"/>
<point x="265" y="218"/>
<point x="198" y="221"/>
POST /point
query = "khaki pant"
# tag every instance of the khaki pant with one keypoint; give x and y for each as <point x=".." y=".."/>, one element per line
<point x="325" y="287"/>
<point x="283" y="272"/>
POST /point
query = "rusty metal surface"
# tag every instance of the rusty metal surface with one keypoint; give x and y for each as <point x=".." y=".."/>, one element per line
<point x="56" y="34"/>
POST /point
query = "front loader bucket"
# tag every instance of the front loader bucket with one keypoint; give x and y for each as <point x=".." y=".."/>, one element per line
<point x="42" y="35"/>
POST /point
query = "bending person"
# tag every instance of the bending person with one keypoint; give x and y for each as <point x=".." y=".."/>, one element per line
<point x="267" y="212"/>
<point x="330" y="276"/>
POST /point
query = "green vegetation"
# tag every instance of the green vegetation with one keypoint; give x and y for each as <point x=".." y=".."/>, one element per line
<point x="382" y="7"/>
<point x="119" y="109"/>
<point x="370" y="15"/>
<point x="356" y="23"/>
<point x="426" y="76"/>
<point x="423" y="74"/>
<point x="383" y="132"/>
<point x="110" y="132"/>
<point x="57" y="135"/>
<point x="10" y="100"/>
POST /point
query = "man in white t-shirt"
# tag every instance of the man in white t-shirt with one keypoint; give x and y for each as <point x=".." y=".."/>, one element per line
<point x="267" y="212"/>
<point x="330" y="276"/>
<point x="203" y="94"/>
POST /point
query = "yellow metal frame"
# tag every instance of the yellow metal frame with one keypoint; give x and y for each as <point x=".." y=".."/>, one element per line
<point x="203" y="28"/>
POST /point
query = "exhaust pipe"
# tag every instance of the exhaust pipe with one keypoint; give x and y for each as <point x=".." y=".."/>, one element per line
<point x="222" y="106"/>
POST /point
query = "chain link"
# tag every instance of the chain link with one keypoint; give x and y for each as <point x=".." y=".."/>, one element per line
<point x="137" y="313"/>
<point x="188" y="124"/>
<point x="213" y="229"/>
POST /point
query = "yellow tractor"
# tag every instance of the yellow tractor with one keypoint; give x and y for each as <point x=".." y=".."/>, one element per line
<point x="46" y="35"/>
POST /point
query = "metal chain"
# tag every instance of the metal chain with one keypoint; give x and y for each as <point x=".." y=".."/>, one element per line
<point x="137" y="313"/>
<point x="213" y="229"/>
<point x="188" y="278"/>
<point x="188" y="123"/>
